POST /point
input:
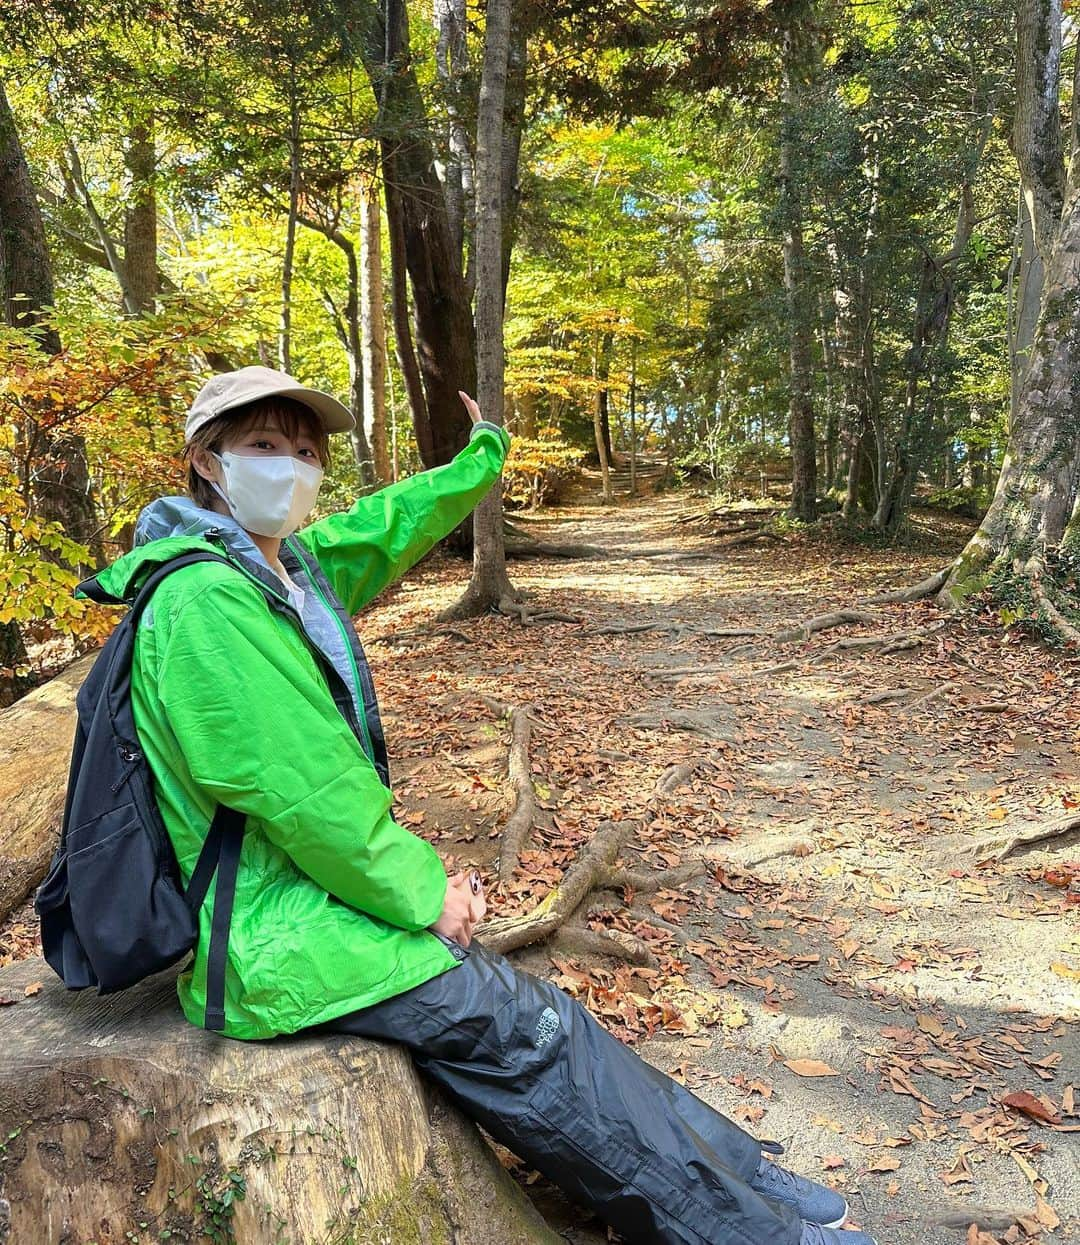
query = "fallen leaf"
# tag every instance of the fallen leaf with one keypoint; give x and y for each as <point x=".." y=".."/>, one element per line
<point x="1046" y="1214"/>
<point x="810" y="1067"/>
<point x="831" y="1161"/>
<point x="1029" y="1105"/>
<point x="33" y="988"/>
<point x="887" y="1163"/>
<point x="960" y="1172"/>
<point x="1063" y="970"/>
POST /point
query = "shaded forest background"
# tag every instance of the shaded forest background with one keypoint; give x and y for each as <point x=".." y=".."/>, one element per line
<point x="793" y="248"/>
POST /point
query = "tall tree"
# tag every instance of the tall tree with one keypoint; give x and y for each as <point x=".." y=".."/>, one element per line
<point x="797" y="52"/>
<point x="1031" y="531"/>
<point x="489" y="586"/>
<point x="61" y="479"/>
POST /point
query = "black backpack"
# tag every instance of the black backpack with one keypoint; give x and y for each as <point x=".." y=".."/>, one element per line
<point x="113" y="908"/>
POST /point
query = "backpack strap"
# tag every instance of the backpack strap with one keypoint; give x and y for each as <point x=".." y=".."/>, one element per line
<point x="221" y="851"/>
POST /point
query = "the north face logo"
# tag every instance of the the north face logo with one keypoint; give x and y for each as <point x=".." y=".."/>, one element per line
<point x="546" y="1027"/>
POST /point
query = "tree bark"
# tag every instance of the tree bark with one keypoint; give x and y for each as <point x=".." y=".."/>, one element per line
<point x="490" y="585"/>
<point x="35" y="747"/>
<point x="61" y="488"/>
<point x="933" y="319"/>
<point x="598" y="426"/>
<point x="801" y="409"/>
<point x="452" y="66"/>
<point x="422" y="243"/>
<point x="1037" y="139"/>
<point x="285" y="331"/>
<point x="140" y="219"/>
<point x="121" y="1121"/>
<point x="1034" y="508"/>
<point x="373" y="327"/>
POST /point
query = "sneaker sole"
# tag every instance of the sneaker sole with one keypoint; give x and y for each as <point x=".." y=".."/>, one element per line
<point x="838" y="1223"/>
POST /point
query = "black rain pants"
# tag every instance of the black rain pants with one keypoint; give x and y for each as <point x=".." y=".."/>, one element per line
<point x="532" y="1066"/>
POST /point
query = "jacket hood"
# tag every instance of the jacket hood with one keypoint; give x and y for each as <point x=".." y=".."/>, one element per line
<point x="169" y="527"/>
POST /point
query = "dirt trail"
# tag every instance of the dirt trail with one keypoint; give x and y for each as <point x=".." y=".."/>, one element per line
<point x="848" y="925"/>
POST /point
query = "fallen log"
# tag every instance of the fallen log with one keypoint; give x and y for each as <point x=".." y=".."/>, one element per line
<point x="122" y="1122"/>
<point x="35" y="748"/>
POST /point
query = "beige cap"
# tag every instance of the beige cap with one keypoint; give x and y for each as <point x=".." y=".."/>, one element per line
<point x="229" y="390"/>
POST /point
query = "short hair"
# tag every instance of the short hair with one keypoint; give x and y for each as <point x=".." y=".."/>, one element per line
<point x="290" y="416"/>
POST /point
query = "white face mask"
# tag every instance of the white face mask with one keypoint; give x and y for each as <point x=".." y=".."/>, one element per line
<point x="270" y="496"/>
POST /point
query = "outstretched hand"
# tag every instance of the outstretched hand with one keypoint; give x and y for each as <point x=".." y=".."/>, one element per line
<point x="470" y="406"/>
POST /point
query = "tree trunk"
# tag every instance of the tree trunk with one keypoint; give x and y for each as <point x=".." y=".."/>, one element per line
<point x="603" y="395"/>
<point x="933" y="319"/>
<point x="490" y="585"/>
<point x="124" y="1122"/>
<point x="1037" y="489"/>
<point x="373" y="326"/>
<point x="598" y="427"/>
<point x="35" y="749"/>
<point x="140" y="219"/>
<point x="1034" y="509"/>
<point x="61" y="488"/>
<point x="422" y="242"/>
<point x="521" y="19"/>
<point x="1037" y="140"/>
<point x="801" y="410"/>
<point x="452" y="66"/>
<point x="633" y="417"/>
<point x="285" y="333"/>
<point x="347" y="323"/>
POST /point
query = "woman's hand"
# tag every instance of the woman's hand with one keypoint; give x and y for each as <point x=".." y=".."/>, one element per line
<point x="470" y="406"/>
<point x="462" y="908"/>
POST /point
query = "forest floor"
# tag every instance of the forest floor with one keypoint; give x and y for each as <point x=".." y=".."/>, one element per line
<point x="848" y="976"/>
<point x="851" y="981"/>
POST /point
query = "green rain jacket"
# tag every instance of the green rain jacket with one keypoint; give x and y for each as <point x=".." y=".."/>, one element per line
<point x="333" y="898"/>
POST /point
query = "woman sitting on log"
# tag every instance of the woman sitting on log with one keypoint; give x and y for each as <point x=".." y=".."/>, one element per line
<point x="250" y="691"/>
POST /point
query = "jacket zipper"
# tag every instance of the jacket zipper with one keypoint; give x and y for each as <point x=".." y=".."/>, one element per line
<point x="369" y="746"/>
<point x="214" y="535"/>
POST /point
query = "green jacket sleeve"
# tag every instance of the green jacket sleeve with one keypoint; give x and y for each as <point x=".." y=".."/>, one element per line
<point x="376" y="541"/>
<point x="260" y="733"/>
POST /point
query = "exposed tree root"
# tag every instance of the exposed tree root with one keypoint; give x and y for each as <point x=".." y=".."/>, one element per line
<point x="423" y="633"/>
<point x="1001" y="847"/>
<point x="504" y="934"/>
<point x="543" y="549"/>
<point x="942" y="689"/>
<point x="887" y="694"/>
<point x="824" y="622"/>
<point x="761" y="533"/>
<point x="677" y="629"/>
<point x="520" y="611"/>
<point x="693" y="721"/>
<point x="588" y="872"/>
<point x="576" y="940"/>
<point x="642" y="883"/>
<point x="917" y="592"/>
<point x="674" y="777"/>
<point x="515" y="834"/>
<point x="1034" y="571"/>
<point x="721" y="512"/>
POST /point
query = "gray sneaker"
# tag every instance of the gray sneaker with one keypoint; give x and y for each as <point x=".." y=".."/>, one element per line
<point x="816" y="1203"/>
<point x="815" y="1234"/>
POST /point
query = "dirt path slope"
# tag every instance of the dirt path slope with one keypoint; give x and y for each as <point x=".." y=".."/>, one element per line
<point x="851" y="980"/>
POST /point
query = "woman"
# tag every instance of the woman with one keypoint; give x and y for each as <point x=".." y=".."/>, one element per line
<point x="250" y="691"/>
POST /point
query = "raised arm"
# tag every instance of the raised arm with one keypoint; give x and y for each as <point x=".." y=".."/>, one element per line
<point x="376" y="541"/>
<point x="228" y="672"/>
